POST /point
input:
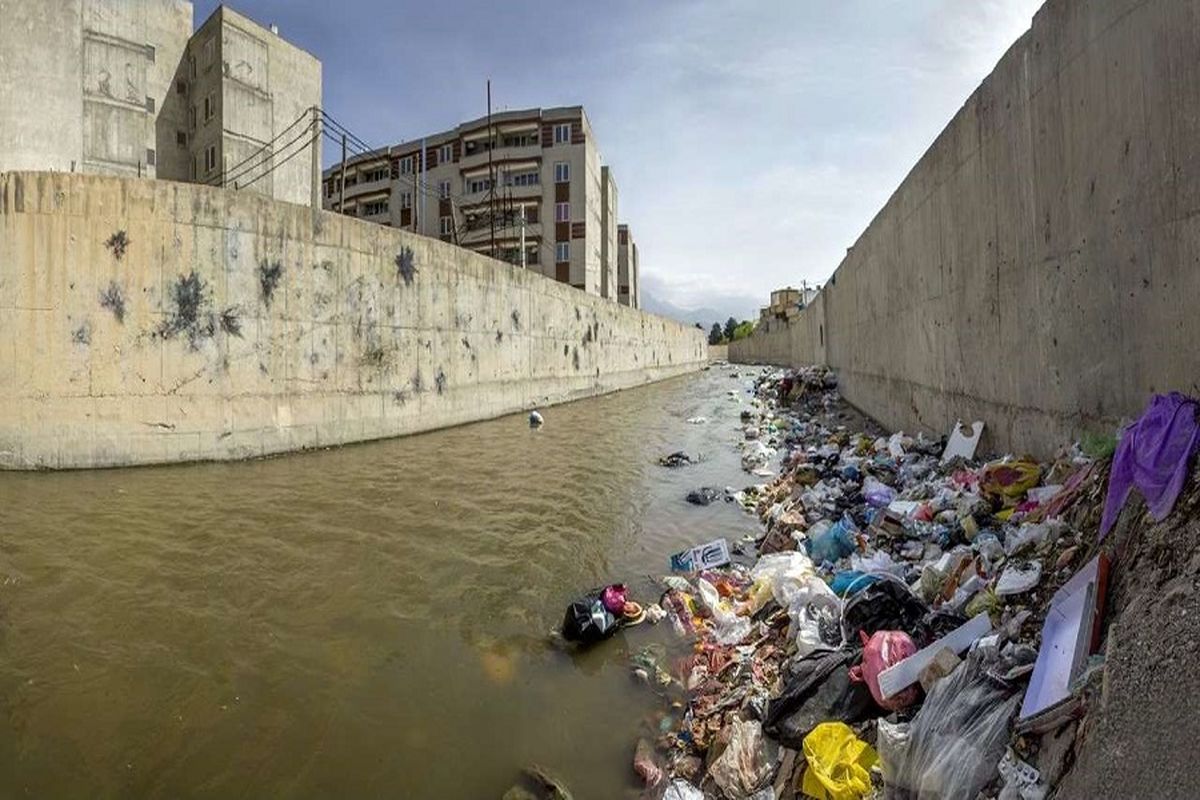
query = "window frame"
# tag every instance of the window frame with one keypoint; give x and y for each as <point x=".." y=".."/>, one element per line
<point x="562" y="212"/>
<point x="446" y="153"/>
<point x="405" y="165"/>
<point x="562" y="252"/>
<point x="444" y="189"/>
<point x="559" y="127"/>
<point x="446" y="225"/>
<point x="562" y="172"/>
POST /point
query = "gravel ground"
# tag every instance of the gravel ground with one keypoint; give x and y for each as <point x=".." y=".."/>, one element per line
<point x="1139" y="738"/>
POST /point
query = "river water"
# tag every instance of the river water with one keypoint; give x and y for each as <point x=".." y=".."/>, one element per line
<point x="363" y="622"/>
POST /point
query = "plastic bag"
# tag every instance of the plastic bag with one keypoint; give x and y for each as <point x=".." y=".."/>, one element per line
<point x="881" y="650"/>
<point x="728" y="627"/>
<point x="839" y="763"/>
<point x="682" y="790"/>
<point x="951" y="748"/>
<point x="744" y="766"/>
<point x="886" y="605"/>
<point x="835" y="543"/>
<point x="795" y="586"/>
<point x="587" y="620"/>
<point x="613" y="597"/>
<point x="818" y="690"/>
<point x="877" y="493"/>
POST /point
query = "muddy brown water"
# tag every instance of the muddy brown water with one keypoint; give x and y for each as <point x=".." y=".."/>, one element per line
<point x="362" y="622"/>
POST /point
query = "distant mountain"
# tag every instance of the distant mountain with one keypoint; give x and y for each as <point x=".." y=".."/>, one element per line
<point x="706" y="315"/>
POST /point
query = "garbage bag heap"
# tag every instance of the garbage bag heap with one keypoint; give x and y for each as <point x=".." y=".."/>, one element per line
<point x="885" y="636"/>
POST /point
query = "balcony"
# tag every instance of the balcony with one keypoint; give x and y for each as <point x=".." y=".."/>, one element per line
<point x="480" y="159"/>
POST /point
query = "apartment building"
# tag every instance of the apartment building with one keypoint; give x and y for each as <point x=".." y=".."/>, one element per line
<point x="549" y="185"/>
<point x="629" y="291"/>
<point x="124" y="87"/>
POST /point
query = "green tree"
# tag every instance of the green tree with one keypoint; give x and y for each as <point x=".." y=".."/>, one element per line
<point x="730" y="324"/>
<point x="715" y="336"/>
<point x="744" y="329"/>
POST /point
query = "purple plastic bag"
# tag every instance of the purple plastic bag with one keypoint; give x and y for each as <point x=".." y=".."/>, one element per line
<point x="1154" y="455"/>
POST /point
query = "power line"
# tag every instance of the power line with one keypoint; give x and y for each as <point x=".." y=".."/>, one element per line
<point x="298" y="151"/>
<point x="235" y="177"/>
<point x="219" y="179"/>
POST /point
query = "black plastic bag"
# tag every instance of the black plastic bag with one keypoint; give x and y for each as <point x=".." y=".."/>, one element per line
<point x="819" y="690"/>
<point x="886" y="605"/>
<point x="587" y="620"/>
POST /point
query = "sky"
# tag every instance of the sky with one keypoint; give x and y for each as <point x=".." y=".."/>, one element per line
<point x="751" y="141"/>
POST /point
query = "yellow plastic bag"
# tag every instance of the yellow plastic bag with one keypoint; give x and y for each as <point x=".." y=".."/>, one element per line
<point x="839" y="763"/>
<point x="1008" y="481"/>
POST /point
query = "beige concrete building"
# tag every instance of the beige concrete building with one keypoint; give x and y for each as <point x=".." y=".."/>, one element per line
<point x="629" y="291"/>
<point x="549" y="181"/>
<point x="122" y="87"/>
<point x="249" y="96"/>
<point x="86" y="85"/>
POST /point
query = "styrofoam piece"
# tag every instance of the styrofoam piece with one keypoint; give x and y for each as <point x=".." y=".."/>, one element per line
<point x="960" y="444"/>
<point x="899" y="677"/>
<point x="1066" y="640"/>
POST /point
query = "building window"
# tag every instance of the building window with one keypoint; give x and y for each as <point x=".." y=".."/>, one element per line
<point x="406" y="199"/>
<point x="562" y="212"/>
<point x="531" y="257"/>
<point x="446" y="154"/>
<point x="473" y="185"/>
<point x="562" y="133"/>
<point x="562" y="172"/>
<point x="519" y="140"/>
<point x="150" y="104"/>
<point x="180" y="87"/>
<point x="151" y="157"/>
<point x="208" y="52"/>
<point x="192" y="118"/>
<point x="181" y="138"/>
<point x="521" y="179"/>
<point x="210" y="158"/>
<point x="375" y="207"/>
<point x="562" y="251"/>
<point x="444" y="190"/>
<point x="406" y="165"/>
<point x="191" y="66"/>
<point x="447" y="226"/>
<point x="380" y="174"/>
<point x="210" y="106"/>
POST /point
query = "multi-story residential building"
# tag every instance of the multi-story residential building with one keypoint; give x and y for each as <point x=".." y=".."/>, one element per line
<point x="249" y="97"/>
<point x="124" y="87"/>
<point x="629" y="290"/>
<point x="549" y="185"/>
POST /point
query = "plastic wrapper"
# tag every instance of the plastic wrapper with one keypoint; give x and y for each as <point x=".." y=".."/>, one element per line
<point x="811" y="604"/>
<point x="951" y="748"/>
<point x="728" y="627"/>
<point x="587" y="620"/>
<point x="745" y="766"/>
<point x="886" y="605"/>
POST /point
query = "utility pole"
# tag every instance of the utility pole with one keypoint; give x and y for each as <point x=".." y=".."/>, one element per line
<point x="491" y="173"/>
<point x="421" y="189"/>
<point x="316" y="166"/>
<point x="522" y="218"/>
<point x="342" y="187"/>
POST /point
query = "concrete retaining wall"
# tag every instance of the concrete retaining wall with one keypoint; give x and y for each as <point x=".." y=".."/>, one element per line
<point x="1039" y="266"/>
<point x="148" y="321"/>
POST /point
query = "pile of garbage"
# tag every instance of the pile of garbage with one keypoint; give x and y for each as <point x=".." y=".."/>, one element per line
<point x="913" y="622"/>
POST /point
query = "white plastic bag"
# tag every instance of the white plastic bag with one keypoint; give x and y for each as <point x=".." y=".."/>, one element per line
<point x="682" y="790"/>
<point x="744" y="766"/>
<point x="728" y="627"/>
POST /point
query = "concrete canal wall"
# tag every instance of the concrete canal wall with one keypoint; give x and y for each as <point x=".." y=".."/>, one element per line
<point x="1039" y="267"/>
<point x="148" y="322"/>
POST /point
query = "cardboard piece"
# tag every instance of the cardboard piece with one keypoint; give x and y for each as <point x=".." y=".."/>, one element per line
<point x="962" y="444"/>
<point x="899" y="677"/>
<point x="706" y="556"/>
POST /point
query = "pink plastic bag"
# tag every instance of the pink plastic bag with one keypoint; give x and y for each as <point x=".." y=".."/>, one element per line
<point x="614" y="598"/>
<point x="882" y="650"/>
